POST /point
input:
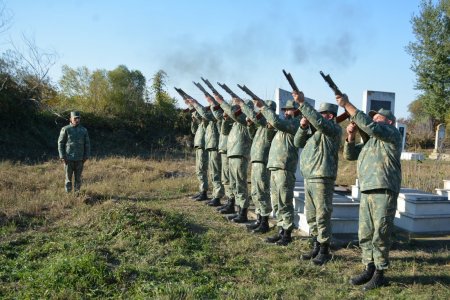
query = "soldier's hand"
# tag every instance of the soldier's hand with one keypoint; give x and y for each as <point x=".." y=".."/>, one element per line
<point x="342" y="100"/>
<point x="304" y="122"/>
<point x="218" y="99"/>
<point x="351" y="131"/>
<point x="258" y="103"/>
<point x="210" y="100"/>
<point x="239" y="102"/>
<point x="299" y="97"/>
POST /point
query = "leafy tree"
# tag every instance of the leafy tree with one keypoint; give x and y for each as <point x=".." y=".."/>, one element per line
<point x="431" y="58"/>
<point x="161" y="96"/>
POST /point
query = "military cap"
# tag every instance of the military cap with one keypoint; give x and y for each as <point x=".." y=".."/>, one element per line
<point x="250" y="104"/>
<point x="384" y="112"/>
<point x="271" y="104"/>
<point x="74" y="114"/>
<point x="290" y="104"/>
<point x="328" y="107"/>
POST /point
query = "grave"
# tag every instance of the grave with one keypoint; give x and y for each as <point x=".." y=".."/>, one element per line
<point x="438" y="152"/>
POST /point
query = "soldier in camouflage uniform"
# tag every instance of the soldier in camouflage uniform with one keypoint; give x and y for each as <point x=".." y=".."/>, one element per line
<point x="201" y="155"/>
<point x="74" y="149"/>
<point x="263" y="134"/>
<point x="379" y="175"/>
<point x="238" y="150"/>
<point x="214" y="116"/>
<point x="282" y="163"/>
<point x="320" y="137"/>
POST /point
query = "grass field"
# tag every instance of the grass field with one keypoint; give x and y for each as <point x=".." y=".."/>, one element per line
<point x="133" y="233"/>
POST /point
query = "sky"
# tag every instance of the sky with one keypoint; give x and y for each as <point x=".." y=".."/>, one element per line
<point x="360" y="43"/>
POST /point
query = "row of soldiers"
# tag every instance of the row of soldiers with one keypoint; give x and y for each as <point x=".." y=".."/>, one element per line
<point x="228" y="135"/>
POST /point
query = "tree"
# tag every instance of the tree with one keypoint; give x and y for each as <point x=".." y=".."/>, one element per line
<point x="161" y="97"/>
<point x="431" y="57"/>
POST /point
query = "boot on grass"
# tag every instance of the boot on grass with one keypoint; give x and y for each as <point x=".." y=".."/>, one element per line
<point x="313" y="252"/>
<point x="365" y="276"/>
<point x="275" y="238"/>
<point x="263" y="226"/>
<point x="324" y="255"/>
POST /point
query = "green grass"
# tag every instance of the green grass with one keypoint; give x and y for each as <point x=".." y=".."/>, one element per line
<point x="134" y="234"/>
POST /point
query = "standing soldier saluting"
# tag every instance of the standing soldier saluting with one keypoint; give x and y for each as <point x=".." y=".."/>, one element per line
<point x="379" y="175"/>
<point x="74" y="149"/>
<point x="318" y="164"/>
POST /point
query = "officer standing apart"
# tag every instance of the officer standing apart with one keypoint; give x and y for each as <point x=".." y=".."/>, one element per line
<point x="320" y="136"/>
<point x="379" y="175"/>
<point x="282" y="163"/>
<point x="74" y="149"/>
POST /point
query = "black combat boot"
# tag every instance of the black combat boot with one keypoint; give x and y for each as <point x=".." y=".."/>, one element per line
<point x="285" y="239"/>
<point x="313" y="252"/>
<point x="242" y="216"/>
<point x="263" y="226"/>
<point x="232" y="216"/>
<point x="255" y="224"/>
<point x="202" y="197"/>
<point x="365" y="276"/>
<point x="276" y="237"/>
<point x="376" y="281"/>
<point x="229" y="208"/>
<point x="214" y="202"/>
<point x="225" y="205"/>
<point x="196" y="196"/>
<point x="324" y="255"/>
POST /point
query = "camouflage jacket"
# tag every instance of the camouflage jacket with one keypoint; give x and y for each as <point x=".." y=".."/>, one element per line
<point x="212" y="129"/>
<point x="224" y="132"/>
<point x="283" y="154"/>
<point x="199" y="138"/>
<point x="239" y="141"/>
<point x="379" y="158"/>
<point x="74" y="143"/>
<point x="262" y="138"/>
<point x="319" y="158"/>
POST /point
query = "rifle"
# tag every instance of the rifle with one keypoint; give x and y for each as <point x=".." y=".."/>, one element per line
<point x="229" y="91"/>
<point x="183" y="94"/>
<point x="211" y="87"/>
<point x="201" y="88"/>
<point x="291" y="81"/>
<point x="248" y="92"/>
<point x="342" y="117"/>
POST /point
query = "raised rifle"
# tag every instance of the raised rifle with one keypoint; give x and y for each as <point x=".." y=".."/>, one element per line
<point x="291" y="81"/>
<point x="201" y="88"/>
<point x="229" y="91"/>
<point x="342" y="117"/>
<point x="211" y="87"/>
<point x="248" y="92"/>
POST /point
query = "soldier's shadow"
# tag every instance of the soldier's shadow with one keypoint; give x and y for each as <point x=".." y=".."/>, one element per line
<point x="420" y="279"/>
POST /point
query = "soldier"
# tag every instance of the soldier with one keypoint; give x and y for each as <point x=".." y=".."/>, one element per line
<point x="282" y="163"/>
<point x="211" y="146"/>
<point x="379" y="175"/>
<point x="74" y="149"/>
<point x="238" y="150"/>
<point x="318" y="164"/>
<point x="201" y="156"/>
<point x="259" y="154"/>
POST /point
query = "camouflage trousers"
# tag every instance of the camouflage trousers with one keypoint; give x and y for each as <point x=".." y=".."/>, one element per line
<point x="376" y="221"/>
<point x="238" y="179"/>
<point x="226" y="176"/>
<point x="214" y="170"/>
<point x="201" y="168"/>
<point x="73" y="168"/>
<point x="282" y="184"/>
<point x="318" y="208"/>
<point x="260" y="189"/>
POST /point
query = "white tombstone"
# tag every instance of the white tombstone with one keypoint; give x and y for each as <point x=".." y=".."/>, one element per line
<point x="402" y="128"/>
<point x="374" y="100"/>
<point x="282" y="96"/>
<point x="440" y="136"/>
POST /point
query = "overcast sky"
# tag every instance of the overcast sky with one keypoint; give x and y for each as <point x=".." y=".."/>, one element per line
<point x="360" y="43"/>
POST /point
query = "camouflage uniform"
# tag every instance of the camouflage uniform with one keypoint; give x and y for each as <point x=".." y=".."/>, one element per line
<point x="259" y="154"/>
<point x="201" y="156"/>
<point x="318" y="164"/>
<point x="74" y="147"/>
<point x="283" y="159"/>
<point x="225" y="129"/>
<point x="379" y="174"/>
<point x="211" y="146"/>
<point x="238" y="148"/>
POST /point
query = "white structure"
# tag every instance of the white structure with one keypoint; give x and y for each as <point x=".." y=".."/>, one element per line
<point x="402" y="128"/>
<point x="282" y="96"/>
<point x="374" y="100"/>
